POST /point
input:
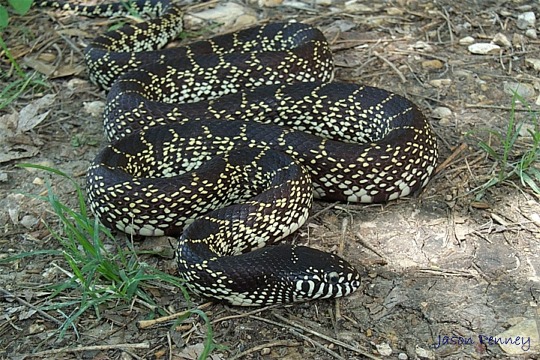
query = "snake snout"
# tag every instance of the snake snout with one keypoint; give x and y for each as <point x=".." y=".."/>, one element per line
<point x="322" y="275"/>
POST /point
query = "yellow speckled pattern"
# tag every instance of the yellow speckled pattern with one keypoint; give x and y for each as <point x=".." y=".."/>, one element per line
<point x="225" y="142"/>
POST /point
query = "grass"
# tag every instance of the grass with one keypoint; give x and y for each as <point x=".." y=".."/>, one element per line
<point x="20" y="7"/>
<point x="18" y="85"/>
<point x="16" y="81"/>
<point x="517" y="150"/>
<point x="101" y="271"/>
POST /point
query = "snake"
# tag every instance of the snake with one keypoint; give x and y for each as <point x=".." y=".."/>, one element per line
<point x="224" y="143"/>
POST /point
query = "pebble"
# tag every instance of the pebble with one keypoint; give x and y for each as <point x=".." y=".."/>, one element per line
<point x="526" y="20"/>
<point x="36" y="328"/>
<point x="442" y="112"/>
<point x="524" y="90"/>
<point x="440" y="83"/>
<point x="402" y="356"/>
<point x="526" y="130"/>
<point x="384" y="349"/>
<point x="228" y="14"/>
<point x="355" y="8"/>
<point x="467" y="40"/>
<point x="29" y="221"/>
<point x="531" y="34"/>
<point x="393" y="11"/>
<point x="432" y="64"/>
<point x="423" y="46"/>
<point x="483" y="48"/>
<point x="534" y="63"/>
<point x="527" y="331"/>
<point x="270" y="3"/>
<point x="502" y="40"/>
<point x="38" y="181"/>
<point x="423" y="353"/>
<point x="518" y="40"/>
<point x="94" y="108"/>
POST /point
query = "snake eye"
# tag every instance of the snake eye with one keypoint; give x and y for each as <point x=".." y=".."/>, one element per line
<point x="333" y="277"/>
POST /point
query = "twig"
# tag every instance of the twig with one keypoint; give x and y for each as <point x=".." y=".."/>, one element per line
<point x="461" y="148"/>
<point x="260" y="347"/>
<point x="317" y="344"/>
<point x="394" y="67"/>
<point x="447" y="272"/>
<point x="294" y="326"/>
<point x="498" y="107"/>
<point x="245" y="314"/>
<point x="326" y="208"/>
<point x="446" y="17"/>
<point x="144" y="324"/>
<point x="27" y="304"/>
<point x="143" y="345"/>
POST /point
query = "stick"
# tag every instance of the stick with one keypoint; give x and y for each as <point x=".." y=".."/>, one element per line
<point x="260" y="347"/>
<point x="143" y="345"/>
<point x="25" y="303"/>
<point x="144" y="324"/>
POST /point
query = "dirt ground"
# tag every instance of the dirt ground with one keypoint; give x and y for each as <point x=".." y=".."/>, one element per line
<point x="445" y="270"/>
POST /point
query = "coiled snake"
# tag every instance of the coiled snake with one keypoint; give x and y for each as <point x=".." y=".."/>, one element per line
<point x="223" y="143"/>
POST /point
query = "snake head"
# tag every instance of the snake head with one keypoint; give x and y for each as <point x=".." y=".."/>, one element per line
<point x="320" y="275"/>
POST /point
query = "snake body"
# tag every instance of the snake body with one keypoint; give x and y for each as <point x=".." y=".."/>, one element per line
<point x="224" y="142"/>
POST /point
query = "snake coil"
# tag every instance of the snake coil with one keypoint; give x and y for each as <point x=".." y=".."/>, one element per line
<point x="225" y="141"/>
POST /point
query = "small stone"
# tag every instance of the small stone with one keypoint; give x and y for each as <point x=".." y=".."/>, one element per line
<point x="36" y="328"/>
<point x="423" y="353"/>
<point x="29" y="221"/>
<point x="394" y="11"/>
<point x="524" y="7"/>
<point x="432" y="64"/>
<point x="531" y="34"/>
<point x="502" y="40"/>
<point x="524" y="338"/>
<point x="442" y="112"/>
<point x="354" y="7"/>
<point x="226" y="14"/>
<point x="38" y="181"/>
<point x="402" y="356"/>
<point x="535" y="218"/>
<point x="270" y="3"/>
<point x="244" y="21"/>
<point x="423" y="46"/>
<point x="467" y="40"/>
<point x="534" y="63"/>
<point x="384" y="349"/>
<point x="265" y="351"/>
<point x="3" y="177"/>
<point x="526" y="20"/>
<point x="518" y="40"/>
<point x="483" y="48"/>
<point x="526" y="130"/>
<point x="94" y="108"/>
<point x="521" y="89"/>
<point x="440" y="83"/>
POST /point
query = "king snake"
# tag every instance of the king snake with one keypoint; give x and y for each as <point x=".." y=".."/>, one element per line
<point x="224" y="142"/>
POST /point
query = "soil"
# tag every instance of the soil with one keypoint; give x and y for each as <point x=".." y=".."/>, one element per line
<point x="444" y="270"/>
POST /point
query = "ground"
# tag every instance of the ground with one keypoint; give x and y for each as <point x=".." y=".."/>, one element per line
<point x="444" y="270"/>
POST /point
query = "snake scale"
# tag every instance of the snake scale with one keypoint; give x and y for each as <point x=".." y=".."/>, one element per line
<point x="224" y="142"/>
